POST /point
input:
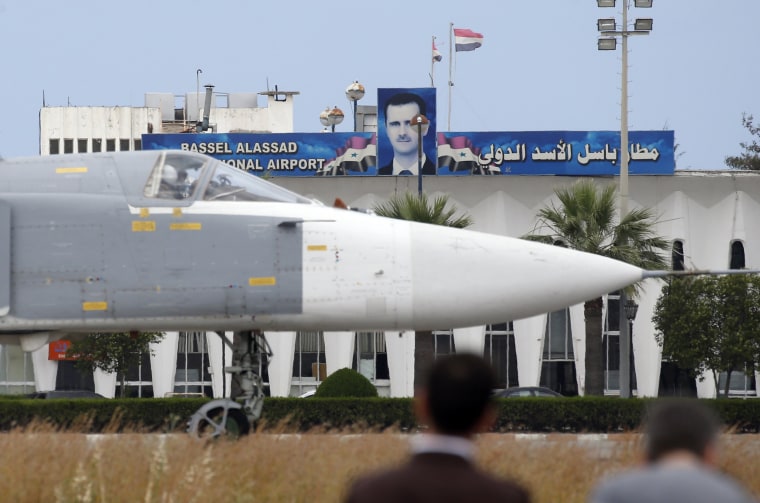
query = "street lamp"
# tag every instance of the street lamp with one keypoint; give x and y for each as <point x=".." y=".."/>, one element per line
<point x="331" y="117"/>
<point x="354" y="93"/>
<point x="607" y="42"/>
<point x="630" y="308"/>
<point x="422" y="124"/>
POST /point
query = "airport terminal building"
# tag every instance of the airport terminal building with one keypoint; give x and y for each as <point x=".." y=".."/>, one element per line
<point x="706" y="215"/>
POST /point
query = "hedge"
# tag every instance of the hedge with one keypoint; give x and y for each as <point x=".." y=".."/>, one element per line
<point x="572" y="415"/>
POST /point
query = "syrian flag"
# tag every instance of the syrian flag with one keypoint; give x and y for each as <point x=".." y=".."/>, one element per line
<point x="467" y="40"/>
<point x="358" y="154"/>
<point x="436" y="55"/>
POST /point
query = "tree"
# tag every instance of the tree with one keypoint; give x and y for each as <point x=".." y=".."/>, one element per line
<point x="750" y="158"/>
<point x="585" y="220"/>
<point x="711" y="323"/>
<point x="112" y="352"/>
<point x="419" y="208"/>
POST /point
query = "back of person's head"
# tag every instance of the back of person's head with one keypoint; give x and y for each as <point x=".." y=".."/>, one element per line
<point x="459" y="389"/>
<point x="679" y="425"/>
<point x="404" y="99"/>
<point x="169" y="174"/>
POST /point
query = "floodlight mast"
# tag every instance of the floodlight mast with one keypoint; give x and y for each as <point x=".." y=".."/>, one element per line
<point x="607" y="28"/>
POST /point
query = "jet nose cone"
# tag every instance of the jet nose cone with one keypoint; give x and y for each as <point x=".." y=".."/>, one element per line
<point x="464" y="278"/>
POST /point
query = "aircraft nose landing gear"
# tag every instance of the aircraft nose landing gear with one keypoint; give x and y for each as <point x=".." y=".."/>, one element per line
<point x="233" y="417"/>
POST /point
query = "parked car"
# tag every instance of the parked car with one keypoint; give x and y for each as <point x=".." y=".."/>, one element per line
<point x="527" y="391"/>
<point x="65" y="393"/>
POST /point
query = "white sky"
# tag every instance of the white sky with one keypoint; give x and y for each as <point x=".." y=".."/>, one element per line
<point x="537" y="70"/>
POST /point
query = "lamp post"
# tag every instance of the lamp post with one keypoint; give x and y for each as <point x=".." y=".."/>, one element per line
<point x="354" y="92"/>
<point x="422" y="124"/>
<point x="630" y="308"/>
<point x="608" y="42"/>
<point x="331" y="117"/>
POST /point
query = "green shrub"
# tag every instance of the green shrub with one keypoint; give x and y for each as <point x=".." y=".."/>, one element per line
<point x="346" y="383"/>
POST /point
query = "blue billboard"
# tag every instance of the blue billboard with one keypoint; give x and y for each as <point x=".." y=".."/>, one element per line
<point x="570" y="153"/>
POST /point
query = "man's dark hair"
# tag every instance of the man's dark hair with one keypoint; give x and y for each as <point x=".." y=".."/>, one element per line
<point x="459" y="388"/>
<point x="403" y="99"/>
<point x="679" y="425"/>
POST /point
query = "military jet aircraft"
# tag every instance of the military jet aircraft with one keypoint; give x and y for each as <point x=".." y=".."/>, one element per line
<point x="171" y="240"/>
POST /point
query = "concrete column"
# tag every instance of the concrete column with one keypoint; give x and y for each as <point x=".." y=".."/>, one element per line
<point x="221" y="389"/>
<point x="163" y="364"/>
<point x="400" y="347"/>
<point x="339" y="350"/>
<point x="105" y="383"/>
<point x="529" y="339"/>
<point x="45" y="370"/>
<point x="281" y="365"/>
<point x="578" y="333"/>
<point x="470" y="339"/>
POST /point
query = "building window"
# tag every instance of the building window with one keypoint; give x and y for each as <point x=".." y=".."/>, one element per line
<point x="558" y="343"/>
<point x="110" y="145"/>
<point x="69" y="376"/>
<point x="677" y="256"/>
<point x="16" y="371"/>
<point x="68" y="145"/>
<point x="558" y="366"/>
<point x="82" y="145"/>
<point x="55" y="146"/>
<point x="191" y="376"/>
<point x="97" y="145"/>
<point x="138" y="143"/>
<point x="124" y="145"/>
<point x="371" y="358"/>
<point x="741" y="384"/>
<point x="443" y="342"/>
<point x="676" y="381"/>
<point x="611" y="344"/>
<point x="737" y="255"/>
<point x="139" y="383"/>
<point x="309" y="364"/>
<point x="500" y="353"/>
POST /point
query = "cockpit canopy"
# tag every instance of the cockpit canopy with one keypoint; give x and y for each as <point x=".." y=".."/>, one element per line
<point x="183" y="176"/>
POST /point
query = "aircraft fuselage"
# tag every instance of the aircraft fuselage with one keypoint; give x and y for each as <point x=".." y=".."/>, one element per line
<point x="92" y="243"/>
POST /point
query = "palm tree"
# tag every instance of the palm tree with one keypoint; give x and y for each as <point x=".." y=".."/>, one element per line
<point x="585" y="220"/>
<point x="419" y="208"/>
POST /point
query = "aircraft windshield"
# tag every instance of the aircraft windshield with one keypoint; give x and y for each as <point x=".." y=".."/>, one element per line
<point x="232" y="184"/>
<point x="174" y="176"/>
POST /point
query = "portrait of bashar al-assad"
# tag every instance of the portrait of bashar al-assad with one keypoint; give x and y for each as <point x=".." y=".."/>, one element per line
<point x="398" y="138"/>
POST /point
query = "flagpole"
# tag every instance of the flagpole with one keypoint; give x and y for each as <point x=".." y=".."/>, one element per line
<point x="432" y="64"/>
<point x="451" y="82"/>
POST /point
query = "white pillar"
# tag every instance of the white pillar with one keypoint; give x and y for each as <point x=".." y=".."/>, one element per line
<point x="578" y="333"/>
<point x="45" y="370"/>
<point x="529" y="340"/>
<point x="400" y="348"/>
<point x="163" y="364"/>
<point x="706" y="386"/>
<point x="216" y="345"/>
<point x="105" y="383"/>
<point x="470" y="339"/>
<point x="339" y="350"/>
<point x="281" y="365"/>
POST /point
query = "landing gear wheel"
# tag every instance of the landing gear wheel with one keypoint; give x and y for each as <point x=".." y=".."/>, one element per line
<point x="233" y="418"/>
<point x="220" y="423"/>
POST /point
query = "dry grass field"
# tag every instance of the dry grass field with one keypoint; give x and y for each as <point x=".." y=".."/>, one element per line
<point x="39" y="465"/>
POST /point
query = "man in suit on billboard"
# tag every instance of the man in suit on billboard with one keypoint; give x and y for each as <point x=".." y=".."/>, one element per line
<point x="456" y="404"/>
<point x="403" y="136"/>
